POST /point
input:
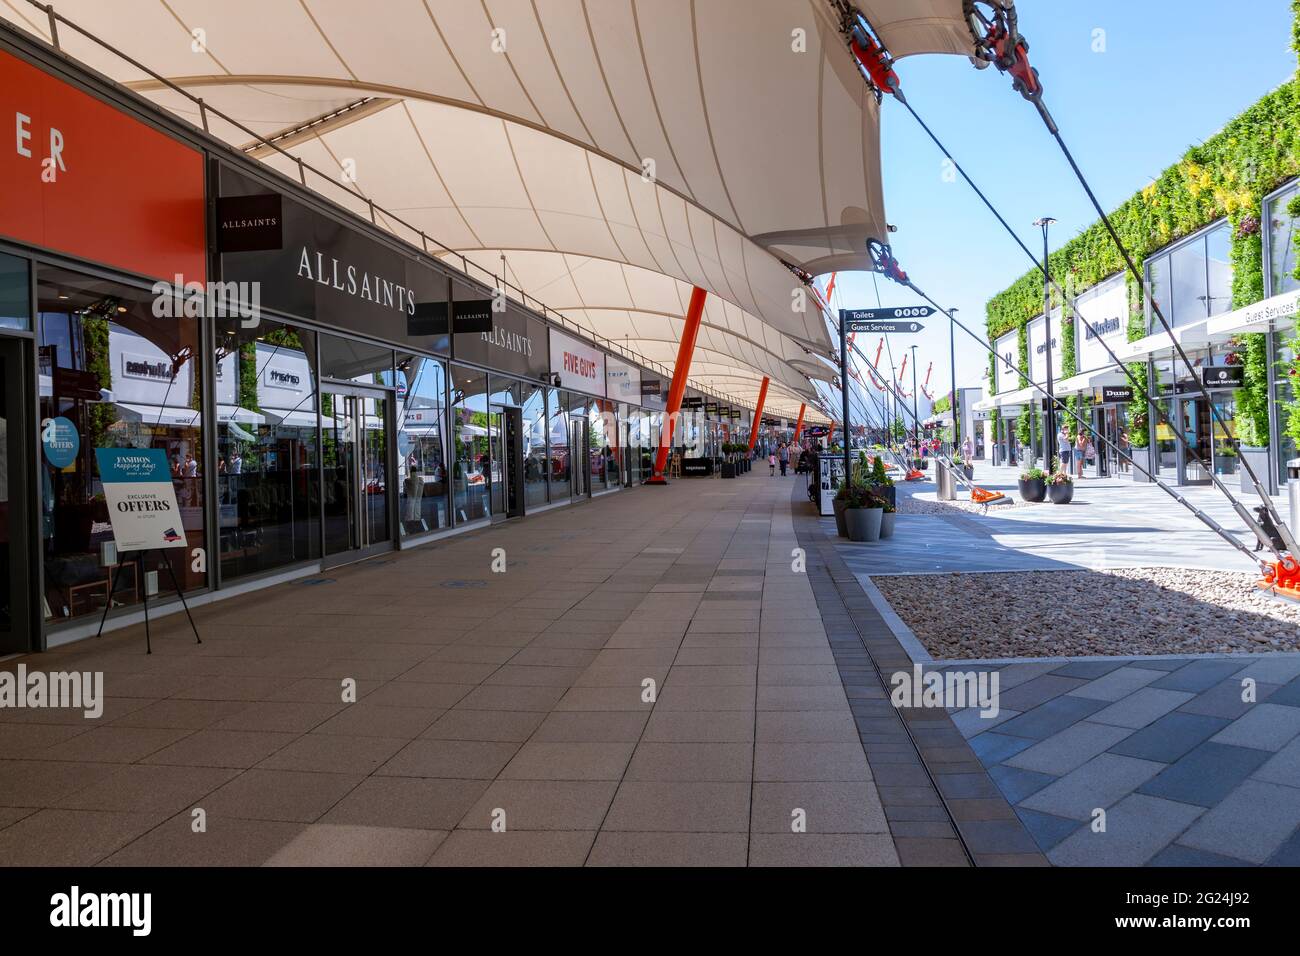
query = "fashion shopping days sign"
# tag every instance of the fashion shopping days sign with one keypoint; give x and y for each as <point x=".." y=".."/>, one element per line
<point x="141" y="498"/>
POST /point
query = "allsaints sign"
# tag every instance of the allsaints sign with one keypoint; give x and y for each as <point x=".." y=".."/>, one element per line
<point x="321" y="269"/>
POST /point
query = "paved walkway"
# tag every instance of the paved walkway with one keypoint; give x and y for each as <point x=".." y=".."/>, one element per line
<point x="1186" y="772"/>
<point x="517" y="701"/>
<point x="1111" y="523"/>
<point x="1161" y="761"/>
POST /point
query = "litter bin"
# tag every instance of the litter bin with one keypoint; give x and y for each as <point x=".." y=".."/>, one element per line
<point x="945" y="486"/>
<point x="1293" y="491"/>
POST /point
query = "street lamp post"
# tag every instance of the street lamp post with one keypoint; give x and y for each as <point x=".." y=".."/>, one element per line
<point x="952" y="379"/>
<point x="916" y="422"/>
<point x="1049" y="436"/>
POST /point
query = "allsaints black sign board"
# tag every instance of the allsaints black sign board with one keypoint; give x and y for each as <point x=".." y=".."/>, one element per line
<point x="430" y="318"/>
<point x="1223" y="376"/>
<point x="692" y="402"/>
<point x="1116" y="394"/>
<point x="515" y="342"/>
<point x="337" y="275"/>
<point x="651" y="386"/>
<point x="250" y="223"/>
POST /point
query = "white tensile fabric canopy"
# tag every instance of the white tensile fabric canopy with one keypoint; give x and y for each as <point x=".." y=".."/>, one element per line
<point x="617" y="152"/>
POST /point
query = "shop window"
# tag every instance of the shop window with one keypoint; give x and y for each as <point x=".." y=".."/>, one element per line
<point x="603" y="425"/>
<point x="1192" y="280"/>
<point x="472" y="459"/>
<point x="351" y="360"/>
<point x="534" y="435"/>
<point x="1283" y="232"/>
<point x="15" y="294"/>
<point x="123" y="378"/>
<point x="267" y="481"/>
<point x="558" y="445"/>
<point x="421" y="444"/>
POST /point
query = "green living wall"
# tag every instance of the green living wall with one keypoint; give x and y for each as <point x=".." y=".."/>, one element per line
<point x="1226" y="176"/>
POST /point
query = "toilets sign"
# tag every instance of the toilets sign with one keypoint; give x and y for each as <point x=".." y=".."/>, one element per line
<point x="141" y="498"/>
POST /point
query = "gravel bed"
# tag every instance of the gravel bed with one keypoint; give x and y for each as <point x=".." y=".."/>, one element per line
<point x="1115" y="612"/>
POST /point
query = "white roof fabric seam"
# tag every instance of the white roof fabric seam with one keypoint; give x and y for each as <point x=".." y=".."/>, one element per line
<point x="438" y="173"/>
<point x="559" y="74"/>
<point x="452" y="53"/>
<point x="654" y="98"/>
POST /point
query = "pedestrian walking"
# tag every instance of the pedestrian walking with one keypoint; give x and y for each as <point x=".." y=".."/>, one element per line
<point x="771" y="465"/>
<point x="784" y="456"/>
<point x="1063" y="448"/>
<point x="1081" y="450"/>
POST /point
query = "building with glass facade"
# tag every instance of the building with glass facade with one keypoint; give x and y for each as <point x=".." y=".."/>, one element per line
<point x="322" y="391"/>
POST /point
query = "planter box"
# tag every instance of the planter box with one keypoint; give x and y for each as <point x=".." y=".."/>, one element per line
<point x="887" y="524"/>
<point x="840" y="528"/>
<point x="1258" y="458"/>
<point x="863" y="523"/>
<point x="969" y="471"/>
<point x="1143" y="458"/>
<point x="1033" y="490"/>
<point x="887" y="492"/>
<point x="728" y="470"/>
<point x="1061" y="494"/>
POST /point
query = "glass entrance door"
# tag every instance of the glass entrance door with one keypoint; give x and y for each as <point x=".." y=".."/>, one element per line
<point x="16" y="628"/>
<point x="356" y="495"/>
<point x="1194" y="420"/>
<point x="579" y="458"/>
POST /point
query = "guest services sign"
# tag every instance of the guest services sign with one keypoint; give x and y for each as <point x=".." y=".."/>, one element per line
<point x="141" y="498"/>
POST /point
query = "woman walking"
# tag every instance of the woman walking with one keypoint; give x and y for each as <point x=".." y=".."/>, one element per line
<point x="1080" y="450"/>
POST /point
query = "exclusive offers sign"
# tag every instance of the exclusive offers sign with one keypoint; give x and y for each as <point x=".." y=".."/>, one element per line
<point x="141" y="498"/>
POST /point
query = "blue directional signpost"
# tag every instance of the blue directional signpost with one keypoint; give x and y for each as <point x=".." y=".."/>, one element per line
<point x="892" y="320"/>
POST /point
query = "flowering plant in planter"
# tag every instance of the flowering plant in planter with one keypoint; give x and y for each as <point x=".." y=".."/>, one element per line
<point x="1033" y="474"/>
<point x="1061" y="478"/>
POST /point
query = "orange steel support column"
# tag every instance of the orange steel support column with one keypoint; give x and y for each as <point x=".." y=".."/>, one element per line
<point x="694" y="313"/>
<point x="758" y="414"/>
<point x="798" y="427"/>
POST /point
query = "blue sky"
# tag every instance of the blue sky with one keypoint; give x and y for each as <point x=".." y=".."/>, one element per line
<point x="1126" y="113"/>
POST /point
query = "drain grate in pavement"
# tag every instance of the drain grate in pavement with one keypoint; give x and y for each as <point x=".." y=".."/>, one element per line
<point x="314" y="581"/>
<point x="463" y="584"/>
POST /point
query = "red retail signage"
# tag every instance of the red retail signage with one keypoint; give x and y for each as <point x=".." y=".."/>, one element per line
<point x="79" y="177"/>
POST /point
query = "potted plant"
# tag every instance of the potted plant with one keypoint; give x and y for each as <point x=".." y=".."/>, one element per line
<point x="965" y="467"/>
<point x="839" y="504"/>
<point x="1033" y="484"/>
<point x="882" y="486"/>
<point x="887" y="521"/>
<point x="863" y="515"/>
<point x="1060" y="487"/>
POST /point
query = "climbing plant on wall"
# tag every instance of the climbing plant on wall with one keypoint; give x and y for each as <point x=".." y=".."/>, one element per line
<point x="1225" y="177"/>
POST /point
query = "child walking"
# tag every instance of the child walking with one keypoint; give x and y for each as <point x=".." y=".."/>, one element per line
<point x="771" y="465"/>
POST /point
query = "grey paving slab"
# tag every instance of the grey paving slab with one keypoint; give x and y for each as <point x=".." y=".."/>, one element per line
<point x="1176" y="855"/>
<point x="1229" y="699"/>
<point x="992" y="747"/>
<point x="1071" y="748"/>
<point x="1250" y="823"/>
<point x="1264" y="726"/>
<point x="1052" y="717"/>
<point x="1047" y="830"/>
<point x="1137" y="828"/>
<point x="1099" y="783"/>
<point x="1141" y="707"/>
<point x="1206" y="774"/>
<point x="1283" y="767"/>
<point x="1016" y="784"/>
<point x="1199" y="675"/>
<point x="1118" y="684"/>
<point x="1170" y="737"/>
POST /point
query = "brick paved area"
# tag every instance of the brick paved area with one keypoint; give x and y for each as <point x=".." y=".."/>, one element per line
<point x="483" y="699"/>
